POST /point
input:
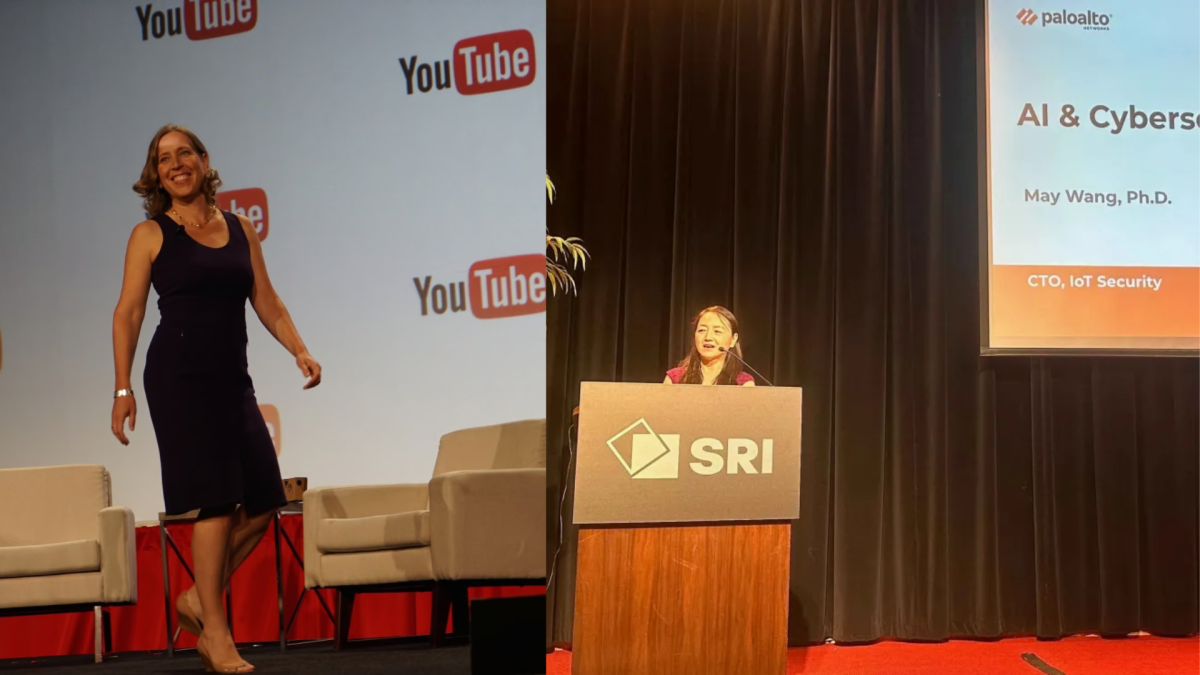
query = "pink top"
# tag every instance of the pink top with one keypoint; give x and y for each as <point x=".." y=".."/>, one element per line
<point x="676" y="374"/>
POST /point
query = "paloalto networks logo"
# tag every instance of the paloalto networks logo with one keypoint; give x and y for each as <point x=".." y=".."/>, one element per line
<point x="650" y="455"/>
<point x="496" y="288"/>
<point x="482" y="65"/>
<point x="199" y="19"/>
<point x="1087" y="20"/>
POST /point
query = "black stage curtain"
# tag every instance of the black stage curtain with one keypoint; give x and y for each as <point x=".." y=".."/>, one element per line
<point x="811" y="164"/>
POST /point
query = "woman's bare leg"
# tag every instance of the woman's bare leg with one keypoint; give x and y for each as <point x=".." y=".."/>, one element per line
<point x="210" y="556"/>
<point x="244" y="535"/>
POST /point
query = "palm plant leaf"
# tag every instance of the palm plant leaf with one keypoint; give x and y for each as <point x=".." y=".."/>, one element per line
<point x="563" y="248"/>
<point x="559" y="278"/>
<point x="559" y="252"/>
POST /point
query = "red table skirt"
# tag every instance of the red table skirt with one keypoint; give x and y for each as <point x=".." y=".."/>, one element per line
<point x="141" y="627"/>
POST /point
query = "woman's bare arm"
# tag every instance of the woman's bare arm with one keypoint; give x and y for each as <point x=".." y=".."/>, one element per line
<point x="144" y="243"/>
<point x="272" y="312"/>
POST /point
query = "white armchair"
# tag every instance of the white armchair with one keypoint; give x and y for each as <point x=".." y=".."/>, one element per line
<point x="63" y="546"/>
<point x="479" y="522"/>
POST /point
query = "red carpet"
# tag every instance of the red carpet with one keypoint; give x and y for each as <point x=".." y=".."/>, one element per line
<point x="1073" y="656"/>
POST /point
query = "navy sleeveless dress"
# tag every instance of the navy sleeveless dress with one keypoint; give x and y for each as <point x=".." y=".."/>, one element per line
<point x="213" y="445"/>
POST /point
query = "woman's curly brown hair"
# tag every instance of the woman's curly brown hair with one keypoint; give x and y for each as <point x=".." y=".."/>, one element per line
<point x="155" y="199"/>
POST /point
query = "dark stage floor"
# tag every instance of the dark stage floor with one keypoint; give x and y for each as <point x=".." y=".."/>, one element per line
<point x="300" y="659"/>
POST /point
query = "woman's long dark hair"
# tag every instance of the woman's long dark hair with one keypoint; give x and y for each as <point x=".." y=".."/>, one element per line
<point x="691" y="362"/>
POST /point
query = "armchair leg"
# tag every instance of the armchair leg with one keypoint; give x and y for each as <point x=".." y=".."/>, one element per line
<point x="98" y="632"/>
<point x="341" y="628"/>
<point x="449" y="601"/>
<point x="108" y="636"/>
<point x="441" y="613"/>
<point x="460" y="612"/>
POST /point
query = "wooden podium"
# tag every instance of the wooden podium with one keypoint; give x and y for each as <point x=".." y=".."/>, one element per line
<point x="683" y="495"/>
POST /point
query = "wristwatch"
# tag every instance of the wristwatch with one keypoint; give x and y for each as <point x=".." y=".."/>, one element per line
<point x="122" y="392"/>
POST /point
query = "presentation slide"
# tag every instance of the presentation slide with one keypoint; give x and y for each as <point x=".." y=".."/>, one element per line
<point x="391" y="156"/>
<point x="1093" y="175"/>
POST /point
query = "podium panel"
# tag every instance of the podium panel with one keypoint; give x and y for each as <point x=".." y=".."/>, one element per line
<point x="658" y="453"/>
<point x="675" y="600"/>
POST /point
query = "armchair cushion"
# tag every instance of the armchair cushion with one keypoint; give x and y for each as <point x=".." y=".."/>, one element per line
<point x="395" y="566"/>
<point x="357" y="501"/>
<point x="53" y="504"/>
<point x="46" y="559"/>
<point x="59" y="589"/>
<point x="373" y="533"/>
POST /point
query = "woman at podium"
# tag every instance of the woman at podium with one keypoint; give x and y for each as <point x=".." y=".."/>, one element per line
<point x="714" y="338"/>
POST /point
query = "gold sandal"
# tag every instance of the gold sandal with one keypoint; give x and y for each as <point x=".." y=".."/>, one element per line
<point x="210" y="668"/>
<point x="189" y="616"/>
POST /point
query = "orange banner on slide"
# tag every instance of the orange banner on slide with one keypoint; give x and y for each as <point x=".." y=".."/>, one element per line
<point x="1094" y="302"/>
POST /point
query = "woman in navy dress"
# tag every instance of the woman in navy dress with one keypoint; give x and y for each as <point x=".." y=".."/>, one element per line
<point x="214" y="448"/>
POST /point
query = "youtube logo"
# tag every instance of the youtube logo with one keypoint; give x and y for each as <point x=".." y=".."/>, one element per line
<point x="481" y="65"/>
<point x="250" y="202"/>
<point x="504" y="287"/>
<point x="495" y="289"/>
<point x="199" y="19"/>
